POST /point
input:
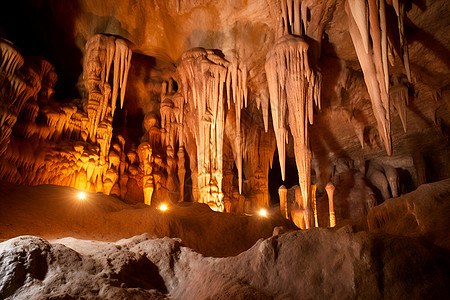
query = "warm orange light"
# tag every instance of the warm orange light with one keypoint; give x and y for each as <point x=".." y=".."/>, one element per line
<point x="163" y="207"/>
<point x="81" y="196"/>
<point x="263" y="212"/>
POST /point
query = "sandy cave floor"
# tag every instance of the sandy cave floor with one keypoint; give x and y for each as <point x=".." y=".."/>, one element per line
<point x="103" y="248"/>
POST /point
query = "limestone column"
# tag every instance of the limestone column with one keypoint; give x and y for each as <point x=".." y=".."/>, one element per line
<point x="330" y="192"/>
<point x="282" y="192"/>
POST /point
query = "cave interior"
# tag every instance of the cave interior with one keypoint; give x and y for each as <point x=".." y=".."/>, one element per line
<point x="192" y="105"/>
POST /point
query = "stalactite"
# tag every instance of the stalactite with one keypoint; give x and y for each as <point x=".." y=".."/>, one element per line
<point x="122" y="64"/>
<point x="359" y="10"/>
<point x="264" y="102"/>
<point x="294" y="16"/>
<point x="237" y="83"/>
<point x="400" y="98"/>
<point x="12" y="91"/>
<point x="372" y="66"/>
<point x="375" y="34"/>
<point x="10" y="58"/>
<point x="101" y="52"/>
<point x="293" y="86"/>
<point x="278" y="108"/>
<point x="65" y="163"/>
<point x="208" y="80"/>
<point x="375" y="67"/>
<point x="399" y="7"/>
<point x="358" y="127"/>
<point x="384" y="42"/>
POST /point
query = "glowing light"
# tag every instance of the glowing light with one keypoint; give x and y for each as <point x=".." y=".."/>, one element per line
<point x="263" y="212"/>
<point x="163" y="207"/>
<point x="81" y="196"/>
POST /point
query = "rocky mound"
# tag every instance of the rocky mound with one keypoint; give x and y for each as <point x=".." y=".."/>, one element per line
<point x="313" y="264"/>
<point x="422" y="213"/>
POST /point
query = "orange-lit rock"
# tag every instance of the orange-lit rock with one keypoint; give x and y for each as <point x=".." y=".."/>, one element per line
<point x="159" y="116"/>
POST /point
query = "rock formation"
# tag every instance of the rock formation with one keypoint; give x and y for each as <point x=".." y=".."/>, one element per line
<point x="293" y="86"/>
<point x="188" y="105"/>
<point x="173" y="111"/>
<point x="69" y="144"/>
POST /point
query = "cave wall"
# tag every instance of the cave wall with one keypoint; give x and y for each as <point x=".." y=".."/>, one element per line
<point x="152" y="144"/>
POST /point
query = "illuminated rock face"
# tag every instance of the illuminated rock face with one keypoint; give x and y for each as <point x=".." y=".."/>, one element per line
<point x="294" y="87"/>
<point x="209" y="82"/>
<point x="70" y="143"/>
<point x="13" y="88"/>
<point x="101" y="52"/>
<point x="213" y="70"/>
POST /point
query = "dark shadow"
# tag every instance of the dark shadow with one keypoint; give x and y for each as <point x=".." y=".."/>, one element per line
<point x="46" y="28"/>
<point x="431" y="171"/>
<point x="417" y="111"/>
<point x="140" y="273"/>
<point x="187" y="197"/>
<point x="421" y="4"/>
<point x="406" y="181"/>
<point x="331" y="69"/>
<point x="129" y="126"/>
<point x="275" y="180"/>
<point x="415" y="34"/>
<point x="344" y="185"/>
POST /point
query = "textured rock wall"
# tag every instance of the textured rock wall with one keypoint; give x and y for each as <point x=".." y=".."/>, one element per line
<point x="76" y="143"/>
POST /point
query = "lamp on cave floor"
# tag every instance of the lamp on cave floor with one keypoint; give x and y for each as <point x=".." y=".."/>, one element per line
<point x="262" y="212"/>
<point x="81" y="196"/>
<point x="163" y="207"/>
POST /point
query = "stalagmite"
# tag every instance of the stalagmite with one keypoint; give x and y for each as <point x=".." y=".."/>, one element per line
<point x="330" y="192"/>
<point x="181" y="171"/>
<point x="282" y="193"/>
<point x="314" y="205"/>
<point x="145" y="154"/>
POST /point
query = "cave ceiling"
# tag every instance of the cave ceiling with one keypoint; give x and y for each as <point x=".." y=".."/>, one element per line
<point x="165" y="29"/>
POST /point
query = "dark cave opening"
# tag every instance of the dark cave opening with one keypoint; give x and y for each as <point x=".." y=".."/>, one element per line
<point x="275" y="180"/>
